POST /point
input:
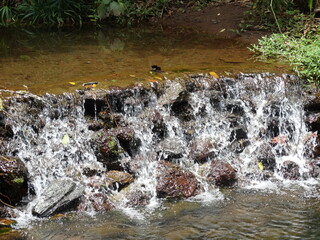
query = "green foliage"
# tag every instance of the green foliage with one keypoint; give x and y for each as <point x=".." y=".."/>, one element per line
<point x="18" y="180"/>
<point x="7" y="13"/>
<point x="302" y="53"/>
<point x="50" y="12"/>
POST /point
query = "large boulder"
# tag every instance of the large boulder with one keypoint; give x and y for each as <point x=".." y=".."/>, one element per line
<point x="13" y="180"/>
<point x="173" y="182"/>
<point x="61" y="195"/>
<point x="221" y="174"/>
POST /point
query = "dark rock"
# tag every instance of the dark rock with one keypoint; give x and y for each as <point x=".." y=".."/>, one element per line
<point x="221" y="174"/>
<point x="173" y="182"/>
<point x="314" y="168"/>
<point x="235" y="109"/>
<point x="266" y="156"/>
<point x="239" y="145"/>
<point x="159" y="126"/>
<point x="61" y="195"/>
<point x="181" y="108"/>
<point x="117" y="180"/>
<point x="313" y="122"/>
<point x="5" y="129"/>
<point x="91" y="172"/>
<point x="290" y="170"/>
<point x="98" y="202"/>
<point x="138" y="198"/>
<point x="6" y="212"/>
<point x="135" y="164"/>
<point x="13" y="180"/>
<point x="202" y="150"/>
<point x="238" y="134"/>
<point x="94" y="102"/>
<point x="171" y="148"/>
<point x="128" y="141"/>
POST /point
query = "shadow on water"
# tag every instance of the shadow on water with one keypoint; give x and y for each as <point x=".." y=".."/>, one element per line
<point x="46" y="61"/>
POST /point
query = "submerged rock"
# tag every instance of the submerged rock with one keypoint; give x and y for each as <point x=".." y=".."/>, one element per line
<point x="221" y="174"/>
<point x="98" y="202"/>
<point x="13" y="180"/>
<point x="173" y="182"/>
<point x="61" y="195"/>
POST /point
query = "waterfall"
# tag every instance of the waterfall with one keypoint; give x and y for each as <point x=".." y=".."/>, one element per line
<point x="255" y="123"/>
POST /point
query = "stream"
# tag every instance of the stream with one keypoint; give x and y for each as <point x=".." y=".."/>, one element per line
<point x="166" y="135"/>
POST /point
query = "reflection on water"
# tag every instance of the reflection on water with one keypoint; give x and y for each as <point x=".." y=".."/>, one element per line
<point x="48" y="61"/>
<point x="243" y="214"/>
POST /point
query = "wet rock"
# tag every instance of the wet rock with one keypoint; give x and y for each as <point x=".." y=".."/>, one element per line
<point x="61" y="195"/>
<point x="5" y="129"/>
<point x="6" y="212"/>
<point x="221" y="174"/>
<point x="98" y="202"/>
<point x="171" y="148"/>
<point x="239" y="146"/>
<point x="181" y="108"/>
<point x="117" y="180"/>
<point x="290" y="170"/>
<point x="202" y="150"/>
<point x="266" y="156"/>
<point x="235" y="109"/>
<point x="313" y="122"/>
<point x="238" y="134"/>
<point x="128" y="141"/>
<point x="94" y="102"/>
<point x="173" y="182"/>
<point x="107" y="150"/>
<point x="138" y="198"/>
<point x="314" y="168"/>
<point x="135" y="164"/>
<point x="171" y="93"/>
<point x="159" y="126"/>
<point x="13" y="180"/>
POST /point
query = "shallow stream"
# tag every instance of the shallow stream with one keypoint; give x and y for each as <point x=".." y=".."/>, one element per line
<point x="239" y="116"/>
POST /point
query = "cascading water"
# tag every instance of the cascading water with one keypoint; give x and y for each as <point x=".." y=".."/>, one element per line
<point x="255" y="123"/>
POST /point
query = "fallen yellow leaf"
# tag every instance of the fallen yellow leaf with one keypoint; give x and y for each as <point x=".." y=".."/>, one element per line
<point x="65" y="140"/>
<point x="213" y="74"/>
<point x="152" y="80"/>
<point x="159" y="78"/>
<point x="133" y="76"/>
<point x="260" y="165"/>
<point x="72" y="83"/>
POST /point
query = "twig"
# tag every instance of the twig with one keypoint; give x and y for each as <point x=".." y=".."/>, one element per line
<point x="274" y="15"/>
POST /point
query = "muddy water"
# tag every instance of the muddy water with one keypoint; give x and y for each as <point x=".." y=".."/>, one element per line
<point x="242" y="214"/>
<point x="46" y="61"/>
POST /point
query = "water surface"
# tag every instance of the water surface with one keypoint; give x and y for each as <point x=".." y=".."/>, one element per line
<point x="46" y="61"/>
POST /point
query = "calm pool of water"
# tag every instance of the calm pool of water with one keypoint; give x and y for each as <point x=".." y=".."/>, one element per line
<point x="242" y="214"/>
<point x="46" y="61"/>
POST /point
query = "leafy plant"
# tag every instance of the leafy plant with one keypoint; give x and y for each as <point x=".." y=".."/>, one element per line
<point x="51" y="12"/>
<point x="302" y="53"/>
<point x="7" y="13"/>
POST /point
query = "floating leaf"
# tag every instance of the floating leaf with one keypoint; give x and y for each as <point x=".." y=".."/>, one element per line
<point x="65" y="140"/>
<point x="260" y="165"/>
<point x="213" y="74"/>
<point x="152" y="80"/>
<point x="1" y="105"/>
<point x="222" y="30"/>
<point x="133" y="76"/>
<point x="159" y="78"/>
<point x="113" y="80"/>
<point x="72" y="83"/>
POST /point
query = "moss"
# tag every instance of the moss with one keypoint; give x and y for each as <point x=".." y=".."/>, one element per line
<point x="5" y="230"/>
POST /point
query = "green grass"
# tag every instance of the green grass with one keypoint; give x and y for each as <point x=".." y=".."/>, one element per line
<point x="302" y="53"/>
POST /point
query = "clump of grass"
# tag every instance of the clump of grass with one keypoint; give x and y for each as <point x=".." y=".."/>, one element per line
<point x="302" y="53"/>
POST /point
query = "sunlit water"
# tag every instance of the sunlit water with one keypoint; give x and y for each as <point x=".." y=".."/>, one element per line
<point x="255" y="209"/>
<point x="46" y="61"/>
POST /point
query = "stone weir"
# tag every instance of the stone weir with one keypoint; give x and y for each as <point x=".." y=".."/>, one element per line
<point x="95" y="150"/>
